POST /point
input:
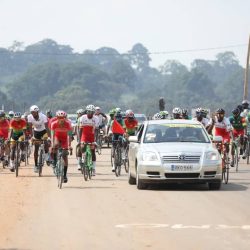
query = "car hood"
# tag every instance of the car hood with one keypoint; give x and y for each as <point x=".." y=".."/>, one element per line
<point x="172" y="148"/>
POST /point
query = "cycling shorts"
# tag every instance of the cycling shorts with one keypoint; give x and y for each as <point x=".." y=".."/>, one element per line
<point x="223" y="133"/>
<point x="238" y="133"/>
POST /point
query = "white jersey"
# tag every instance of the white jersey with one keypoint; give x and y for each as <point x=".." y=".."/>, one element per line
<point x="204" y="121"/>
<point x="224" y="124"/>
<point x="85" y="121"/>
<point x="38" y="125"/>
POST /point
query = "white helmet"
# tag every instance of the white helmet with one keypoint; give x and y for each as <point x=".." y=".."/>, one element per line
<point x="34" y="108"/>
<point x="177" y="111"/>
<point x="61" y="113"/>
<point x="90" y="108"/>
<point x="97" y="108"/>
<point x="128" y="111"/>
<point x="157" y="116"/>
<point x="11" y="112"/>
<point x="79" y="111"/>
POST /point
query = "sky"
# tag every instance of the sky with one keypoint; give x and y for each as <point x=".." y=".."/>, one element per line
<point x="160" y="25"/>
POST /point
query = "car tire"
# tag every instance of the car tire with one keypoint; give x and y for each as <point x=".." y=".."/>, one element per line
<point x="214" y="185"/>
<point x="140" y="185"/>
<point x="131" y="179"/>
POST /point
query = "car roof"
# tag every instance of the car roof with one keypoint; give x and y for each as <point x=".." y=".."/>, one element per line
<point x="175" y="121"/>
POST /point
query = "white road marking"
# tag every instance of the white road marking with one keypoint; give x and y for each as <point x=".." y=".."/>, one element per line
<point x="181" y="226"/>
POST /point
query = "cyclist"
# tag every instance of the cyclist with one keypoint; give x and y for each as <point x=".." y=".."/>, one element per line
<point x="16" y="133"/>
<point x="118" y="129"/>
<point x="61" y="134"/>
<point x="176" y="113"/>
<point x="245" y="105"/>
<point x="39" y="122"/>
<point x="4" y="130"/>
<point x="199" y="116"/>
<point x="221" y="127"/>
<point x="131" y="124"/>
<point x="239" y="124"/>
<point x="102" y="119"/>
<point x="88" y="123"/>
<point x="184" y="114"/>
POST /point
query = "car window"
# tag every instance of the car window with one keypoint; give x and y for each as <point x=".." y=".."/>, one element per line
<point x="157" y="133"/>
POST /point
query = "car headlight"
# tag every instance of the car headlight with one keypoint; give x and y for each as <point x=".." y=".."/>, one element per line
<point x="212" y="156"/>
<point x="149" y="156"/>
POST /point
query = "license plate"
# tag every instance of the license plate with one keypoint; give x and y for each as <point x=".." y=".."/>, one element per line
<point x="181" y="167"/>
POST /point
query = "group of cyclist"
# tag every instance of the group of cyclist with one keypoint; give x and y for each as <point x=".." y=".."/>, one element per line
<point x="235" y="126"/>
<point x="58" y="132"/>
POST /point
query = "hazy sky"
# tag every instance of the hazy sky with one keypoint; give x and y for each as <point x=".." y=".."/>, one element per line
<point x="160" y="25"/>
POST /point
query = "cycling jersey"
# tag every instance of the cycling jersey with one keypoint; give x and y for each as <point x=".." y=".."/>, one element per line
<point x="238" y="123"/>
<point x="4" y="129"/>
<point x="222" y="128"/>
<point x="204" y="121"/>
<point x="100" y="117"/>
<point x="39" y="124"/>
<point x="61" y="130"/>
<point x="131" y="126"/>
<point x="18" y="127"/>
<point x="88" y="128"/>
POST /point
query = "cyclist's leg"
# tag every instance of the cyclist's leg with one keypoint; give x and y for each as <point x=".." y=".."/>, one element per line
<point x="12" y="154"/>
<point x="64" y="145"/>
<point x="79" y="157"/>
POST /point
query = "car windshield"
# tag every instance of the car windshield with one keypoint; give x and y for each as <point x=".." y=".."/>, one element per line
<point x="140" y="118"/>
<point x="157" y="133"/>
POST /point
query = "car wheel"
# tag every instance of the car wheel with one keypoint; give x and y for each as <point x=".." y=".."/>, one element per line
<point x="214" y="185"/>
<point x="131" y="179"/>
<point x="139" y="183"/>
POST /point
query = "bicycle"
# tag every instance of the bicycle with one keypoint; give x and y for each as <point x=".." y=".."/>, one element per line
<point x="235" y="145"/>
<point x="117" y="151"/>
<point x="2" y="152"/>
<point x="99" y="140"/>
<point x="60" y="166"/>
<point x="41" y="155"/>
<point x="247" y="147"/>
<point x="225" y="161"/>
<point x="17" y="156"/>
<point x="86" y="162"/>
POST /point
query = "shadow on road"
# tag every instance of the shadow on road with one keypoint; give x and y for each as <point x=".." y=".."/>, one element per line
<point x="197" y="187"/>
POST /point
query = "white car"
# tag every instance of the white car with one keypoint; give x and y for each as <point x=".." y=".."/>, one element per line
<point x="173" y="151"/>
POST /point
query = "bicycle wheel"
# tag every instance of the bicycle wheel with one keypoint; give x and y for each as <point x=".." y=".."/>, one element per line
<point x="117" y="161"/>
<point x="248" y="150"/>
<point x="227" y="172"/>
<point x="60" y="172"/>
<point x="40" y="162"/>
<point x="89" y="166"/>
<point x="17" y="160"/>
<point x="236" y="159"/>
<point x="85" y="170"/>
<point x="126" y="161"/>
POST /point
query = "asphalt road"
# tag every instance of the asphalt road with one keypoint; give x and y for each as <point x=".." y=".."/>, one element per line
<point x="108" y="213"/>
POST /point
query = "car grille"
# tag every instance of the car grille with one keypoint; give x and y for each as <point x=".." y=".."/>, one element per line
<point x="182" y="175"/>
<point x="178" y="159"/>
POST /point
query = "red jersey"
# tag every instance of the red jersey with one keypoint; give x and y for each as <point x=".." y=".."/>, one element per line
<point x="4" y="128"/>
<point x="61" y="129"/>
<point x="50" y="121"/>
<point x="18" y="126"/>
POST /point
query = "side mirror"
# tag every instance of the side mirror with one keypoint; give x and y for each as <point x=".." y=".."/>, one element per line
<point x="133" y="139"/>
<point x="217" y="139"/>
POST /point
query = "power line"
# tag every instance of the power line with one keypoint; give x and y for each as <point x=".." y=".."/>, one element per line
<point x="122" y="54"/>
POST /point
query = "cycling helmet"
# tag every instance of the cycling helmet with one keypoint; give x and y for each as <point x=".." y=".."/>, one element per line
<point x="79" y="111"/>
<point x="128" y="111"/>
<point x="245" y="104"/>
<point x="34" y="108"/>
<point x="2" y="113"/>
<point x="61" y="113"/>
<point x="220" y="111"/>
<point x="130" y="114"/>
<point x="17" y="115"/>
<point x="157" y="116"/>
<point x="11" y="113"/>
<point x="97" y="108"/>
<point x="199" y="110"/>
<point x="236" y="112"/>
<point x="240" y="107"/>
<point x="184" y="112"/>
<point x="118" y="115"/>
<point x="177" y="111"/>
<point x="112" y="111"/>
<point x="164" y="114"/>
<point x="117" y="109"/>
<point x="90" y="108"/>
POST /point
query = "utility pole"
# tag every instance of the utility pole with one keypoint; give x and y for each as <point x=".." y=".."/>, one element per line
<point x="245" y="97"/>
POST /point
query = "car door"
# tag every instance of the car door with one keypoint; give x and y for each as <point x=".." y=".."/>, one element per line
<point x="133" y="149"/>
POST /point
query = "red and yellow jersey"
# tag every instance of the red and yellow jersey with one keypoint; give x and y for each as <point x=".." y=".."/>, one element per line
<point x="18" y="126"/>
<point x="4" y="128"/>
<point x="131" y="126"/>
<point x="61" y="129"/>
